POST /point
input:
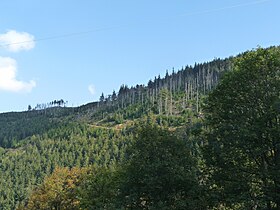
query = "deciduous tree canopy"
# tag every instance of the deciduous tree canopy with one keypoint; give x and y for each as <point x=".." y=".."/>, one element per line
<point x="243" y="121"/>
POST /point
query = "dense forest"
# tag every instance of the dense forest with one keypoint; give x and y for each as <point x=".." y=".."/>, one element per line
<point x="203" y="137"/>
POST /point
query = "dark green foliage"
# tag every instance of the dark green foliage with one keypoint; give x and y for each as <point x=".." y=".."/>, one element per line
<point x="243" y="130"/>
<point x="99" y="189"/>
<point x="16" y="126"/>
<point x="159" y="173"/>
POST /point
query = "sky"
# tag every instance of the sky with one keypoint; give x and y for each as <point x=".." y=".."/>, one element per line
<point x="75" y="50"/>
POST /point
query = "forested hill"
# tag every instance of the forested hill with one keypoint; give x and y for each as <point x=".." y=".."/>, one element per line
<point x="51" y="134"/>
<point x="89" y="157"/>
<point x="173" y="95"/>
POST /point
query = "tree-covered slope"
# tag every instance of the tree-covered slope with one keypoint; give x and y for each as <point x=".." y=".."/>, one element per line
<point x="15" y="126"/>
<point x="33" y="143"/>
<point x="24" y="166"/>
<point x="176" y="94"/>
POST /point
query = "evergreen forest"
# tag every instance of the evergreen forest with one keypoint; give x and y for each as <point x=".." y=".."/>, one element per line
<point x="205" y="136"/>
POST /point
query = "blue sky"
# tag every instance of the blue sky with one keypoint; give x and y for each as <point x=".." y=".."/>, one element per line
<point x="102" y="44"/>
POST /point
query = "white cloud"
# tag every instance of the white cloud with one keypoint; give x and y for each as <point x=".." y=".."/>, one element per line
<point x="16" y="41"/>
<point x="91" y="89"/>
<point x="8" y="81"/>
